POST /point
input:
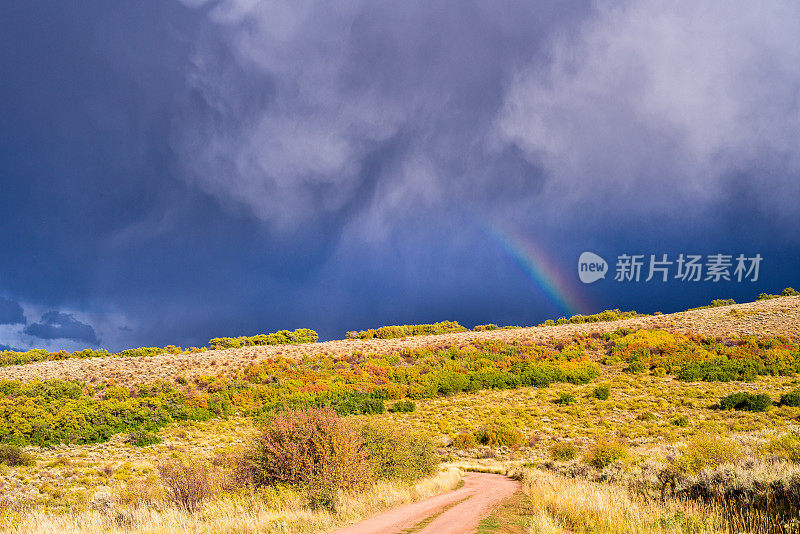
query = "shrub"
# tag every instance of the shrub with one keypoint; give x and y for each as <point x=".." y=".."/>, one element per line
<point x="485" y="327"/>
<point x="790" y="399"/>
<point x="398" y="453"/>
<point x="499" y="436"/>
<point x="786" y="446"/>
<point x="563" y="452"/>
<point x="404" y="406"/>
<point x="607" y="315"/>
<point x="745" y="401"/>
<point x="58" y="411"/>
<point x="565" y="398"/>
<point x="788" y="292"/>
<point x="323" y="494"/>
<point x="694" y="357"/>
<point x="188" y="482"/>
<point x="465" y="440"/>
<point x="707" y="452"/>
<point x="282" y="337"/>
<point x="605" y="452"/>
<point x="13" y="456"/>
<point x="681" y="420"/>
<point x="406" y="330"/>
<point x="304" y="448"/>
<point x="716" y="303"/>
<point x="602" y="392"/>
<point x="357" y="403"/>
<point x="646" y="416"/>
<point x="142" y="438"/>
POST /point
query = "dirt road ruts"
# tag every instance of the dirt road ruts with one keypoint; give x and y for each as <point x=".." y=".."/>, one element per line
<point x="455" y="512"/>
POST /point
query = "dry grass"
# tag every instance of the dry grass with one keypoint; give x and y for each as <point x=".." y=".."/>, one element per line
<point x="555" y="503"/>
<point x="561" y="504"/>
<point x="280" y="511"/>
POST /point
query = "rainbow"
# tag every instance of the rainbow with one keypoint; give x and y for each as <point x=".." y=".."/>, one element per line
<point x="544" y="271"/>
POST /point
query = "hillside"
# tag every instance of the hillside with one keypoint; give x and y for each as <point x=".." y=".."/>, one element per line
<point x="613" y="410"/>
<point x="779" y="316"/>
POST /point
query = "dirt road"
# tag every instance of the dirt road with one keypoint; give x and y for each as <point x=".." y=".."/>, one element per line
<point x="454" y="512"/>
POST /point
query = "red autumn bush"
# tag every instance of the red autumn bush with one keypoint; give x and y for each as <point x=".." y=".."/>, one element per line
<point x="309" y="449"/>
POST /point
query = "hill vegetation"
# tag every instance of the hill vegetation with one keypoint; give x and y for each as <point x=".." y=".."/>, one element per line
<point x="282" y="337"/>
<point x="303" y="436"/>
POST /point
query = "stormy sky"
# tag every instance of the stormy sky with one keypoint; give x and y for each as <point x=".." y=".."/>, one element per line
<point x="172" y="171"/>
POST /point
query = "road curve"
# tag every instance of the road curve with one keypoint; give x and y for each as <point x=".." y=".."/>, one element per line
<point x="455" y="512"/>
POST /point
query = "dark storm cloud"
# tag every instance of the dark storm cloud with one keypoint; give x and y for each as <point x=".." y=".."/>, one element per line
<point x="666" y="106"/>
<point x="292" y="100"/>
<point x="57" y="325"/>
<point x="11" y="312"/>
<point x="188" y="170"/>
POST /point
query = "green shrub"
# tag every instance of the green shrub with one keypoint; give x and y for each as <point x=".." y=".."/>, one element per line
<point x="646" y="416"/>
<point x="357" y="403"/>
<point x="282" y="337"/>
<point x="398" y="453"/>
<point x="721" y="370"/>
<point x="406" y="330"/>
<point x="607" y="315"/>
<point x="746" y="402"/>
<point x="13" y="456"/>
<point x="142" y="438"/>
<point x="403" y="406"/>
<point x="565" y="398"/>
<point x="563" y="452"/>
<point x="790" y="399"/>
<point x="788" y="292"/>
<point x="605" y="452"/>
<point x="716" y="303"/>
<point x="602" y="392"/>
<point x="322" y="494"/>
<point x="485" y="327"/>
<point x="681" y="420"/>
